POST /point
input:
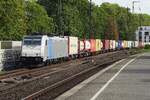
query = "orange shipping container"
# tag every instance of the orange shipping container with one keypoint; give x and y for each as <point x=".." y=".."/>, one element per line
<point x="93" y="45"/>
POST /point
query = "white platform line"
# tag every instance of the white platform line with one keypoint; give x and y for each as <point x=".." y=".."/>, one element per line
<point x="84" y="83"/>
<point x="106" y="85"/>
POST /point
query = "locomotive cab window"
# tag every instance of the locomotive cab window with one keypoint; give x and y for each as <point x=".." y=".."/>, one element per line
<point x="32" y="40"/>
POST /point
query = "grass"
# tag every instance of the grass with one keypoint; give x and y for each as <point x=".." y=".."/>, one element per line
<point x="1" y="72"/>
<point x="146" y="50"/>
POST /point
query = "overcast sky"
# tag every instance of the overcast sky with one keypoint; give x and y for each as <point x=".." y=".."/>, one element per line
<point x="144" y="4"/>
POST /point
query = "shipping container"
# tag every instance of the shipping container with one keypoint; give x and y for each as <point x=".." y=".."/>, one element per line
<point x="120" y="44"/>
<point x="1" y="59"/>
<point x="106" y="44"/>
<point x="93" y="45"/>
<point x="111" y="44"/>
<point x="132" y="44"/>
<point x="81" y="46"/>
<point x="87" y="45"/>
<point x="129" y="44"/>
<point x="141" y="44"/>
<point x="114" y="44"/>
<point x="57" y="47"/>
<point x="98" y="44"/>
<point x="136" y="44"/>
<point x="73" y="45"/>
<point x="125" y="44"/>
<point x="101" y="44"/>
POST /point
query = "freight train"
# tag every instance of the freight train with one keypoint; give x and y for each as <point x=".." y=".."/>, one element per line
<point x="46" y="50"/>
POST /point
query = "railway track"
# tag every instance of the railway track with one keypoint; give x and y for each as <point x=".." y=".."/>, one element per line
<point x="51" y="80"/>
<point x="37" y="71"/>
<point x="30" y="73"/>
<point x="47" y="93"/>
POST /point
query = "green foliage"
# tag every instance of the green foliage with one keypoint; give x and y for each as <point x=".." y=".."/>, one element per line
<point x="19" y="17"/>
<point x="37" y="18"/>
<point x="109" y="21"/>
<point x="147" y="46"/>
<point x="12" y="19"/>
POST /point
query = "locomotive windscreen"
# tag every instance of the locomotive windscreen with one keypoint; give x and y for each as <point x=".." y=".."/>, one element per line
<point x="33" y="40"/>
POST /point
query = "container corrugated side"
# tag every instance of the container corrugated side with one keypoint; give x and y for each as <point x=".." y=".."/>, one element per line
<point x="73" y="45"/>
<point x="114" y="44"/>
<point x="111" y="44"/>
<point x="101" y="45"/>
<point x="57" y="48"/>
<point x="120" y="44"/>
<point x="98" y="44"/>
<point x="81" y="46"/>
<point x="136" y="44"/>
<point x="87" y="45"/>
<point x="107" y="44"/>
<point x="1" y="59"/>
<point x="125" y="44"/>
<point x="93" y="45"/>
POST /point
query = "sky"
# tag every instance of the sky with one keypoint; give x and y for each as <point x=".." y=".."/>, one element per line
<point x="144" y="5"/>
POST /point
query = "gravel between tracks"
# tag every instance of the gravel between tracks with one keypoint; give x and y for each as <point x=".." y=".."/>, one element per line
<point x="24" y="89"/>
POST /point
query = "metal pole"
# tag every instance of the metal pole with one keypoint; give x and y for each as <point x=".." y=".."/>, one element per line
<point x="60" y="21"/>
<point x="90" y="20"/>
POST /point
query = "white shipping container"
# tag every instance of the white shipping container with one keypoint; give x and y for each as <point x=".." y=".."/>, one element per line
<point x="123" y="45"/>
<point x="87" y="45"/>
<point x="111" y="44"/>
<point x="114" y="44"/>
<point x="73" y="45"/>
<point x="81" y="45"/>
<point x="128" y="44"/>
<point x="101" y="44"/>
<point x="136" y="44"/>
<point x="132" y="44"/>
<point x="1" y="59"/>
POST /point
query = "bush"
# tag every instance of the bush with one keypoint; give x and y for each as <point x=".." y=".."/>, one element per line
<point x="147" y="46"/>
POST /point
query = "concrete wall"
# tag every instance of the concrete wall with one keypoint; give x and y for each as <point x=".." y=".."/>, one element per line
<point x="9" y="57"/>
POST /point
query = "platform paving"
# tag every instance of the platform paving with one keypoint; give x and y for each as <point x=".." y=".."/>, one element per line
<point x="128" y="79"/>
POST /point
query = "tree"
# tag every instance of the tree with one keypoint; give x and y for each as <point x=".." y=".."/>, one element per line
<point x="37" y="18"/>
<point x="12" y="19"/>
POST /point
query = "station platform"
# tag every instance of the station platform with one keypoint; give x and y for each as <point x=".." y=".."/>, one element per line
<point x="128" y="79"/>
